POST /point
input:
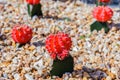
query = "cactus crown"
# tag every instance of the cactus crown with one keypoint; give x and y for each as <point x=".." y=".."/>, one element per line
<point x="58" y="45"/>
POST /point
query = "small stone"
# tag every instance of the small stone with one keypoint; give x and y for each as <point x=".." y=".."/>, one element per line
<point x="113" y="70"/>
<point x="1" y="6"/>
<point x="114" y="29"/>
<point x="111" y="75"/>
<point x="4" y="64"/>
<point x="13" y="44"/>
<point x="5" y="75"/>
<point x="78" y="67"/>
<point x="9" y="42"/>
<point x="31" y="48"/>
<point x="108" y="78"/>
<point x="2" y="37"/>
<point x="28" y="77"/>
<point x="6" y="31"/>
<point x="17" y="76"/>
<point x="84" y="78"/>
<point x="85" y="74"/>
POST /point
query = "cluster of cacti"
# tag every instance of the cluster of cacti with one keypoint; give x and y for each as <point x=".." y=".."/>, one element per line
<point x="102" y="14"/>
<point x="58" y="45"/>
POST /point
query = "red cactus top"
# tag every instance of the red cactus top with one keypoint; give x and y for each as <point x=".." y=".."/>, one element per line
<point x="58" y="45"/>
<point x="33" y="2"/>
<point x="102" y="13"/>
<point x="21" y="33"/>
<point x="105" y="1"/>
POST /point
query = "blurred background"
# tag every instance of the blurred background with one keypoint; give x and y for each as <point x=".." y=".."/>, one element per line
<point x="115" y="2"/>
<point x="93" y="1"/>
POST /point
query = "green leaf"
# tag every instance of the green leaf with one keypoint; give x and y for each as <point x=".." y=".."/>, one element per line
<point x="62" y="66"/>
<point x="98" y="26"/>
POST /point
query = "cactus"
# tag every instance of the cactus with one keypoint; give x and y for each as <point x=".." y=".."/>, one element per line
<point x="99" y="25"/>
<point x="34" y="8"/>
<point x="58" y="45"/>
<point x="102" y="14"/>
<point x="21" y="33"/>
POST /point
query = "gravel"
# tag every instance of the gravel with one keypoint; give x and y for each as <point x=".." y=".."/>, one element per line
<point x="96" y="54"/>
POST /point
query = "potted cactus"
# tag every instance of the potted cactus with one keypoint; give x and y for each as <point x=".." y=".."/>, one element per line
<point x="58" y="45"/>
<point x="102" y="14"/>
<point x="34" y="8"/>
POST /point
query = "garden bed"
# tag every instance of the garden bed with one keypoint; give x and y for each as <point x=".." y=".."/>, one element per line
<point x="96" y="55"/>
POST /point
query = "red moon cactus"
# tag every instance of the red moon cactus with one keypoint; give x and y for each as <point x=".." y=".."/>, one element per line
<point x="102" y="13"/>
<point x="105" y="1"/>
<point x="58" y="45"/>
<point x="33" y="2"/>
<point x="21" y="33"/>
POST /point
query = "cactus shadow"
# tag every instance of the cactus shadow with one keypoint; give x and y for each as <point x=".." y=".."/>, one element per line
<point x="57" y="18"/>
<point x="94" y="74"/>
<point x="38" y="43"/>
<point x="64" y="0"/>
<point x="117" y="25"/>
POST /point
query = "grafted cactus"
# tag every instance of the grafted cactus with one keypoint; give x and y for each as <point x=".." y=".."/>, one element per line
<point x="34" y="8"/>
<point x="102" y="14"/>
<point x="58" y="45"/>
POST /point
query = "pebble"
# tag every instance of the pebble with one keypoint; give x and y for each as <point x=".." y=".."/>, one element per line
<point x="28" y="77"/>
<point x="17" y="76"/>
<point x="31" y="48"/>
<point x="5" y="75"/>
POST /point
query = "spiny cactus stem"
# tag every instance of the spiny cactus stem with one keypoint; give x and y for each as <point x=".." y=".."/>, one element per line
<point x="62" y="66"/>
<point x="99" y="3"/>
<point x="34" y="10"/>
<point x="29" y="9"/>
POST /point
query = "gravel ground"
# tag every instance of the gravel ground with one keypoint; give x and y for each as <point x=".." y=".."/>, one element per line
<point x="96" y="55"/>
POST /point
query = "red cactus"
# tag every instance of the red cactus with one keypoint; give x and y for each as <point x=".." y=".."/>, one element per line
<point x="58" y="45"/>
<point x="105" y="1"/>
<point x="102" y="13"/>
<point x="21" y="34"/>
<point x="33" y="2"/>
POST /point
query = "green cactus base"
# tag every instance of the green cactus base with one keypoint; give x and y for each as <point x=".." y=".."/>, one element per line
<point x="98" y="26"/>
<point x="34" y="10"/>
<point x="99" y="3"/>
<point x="62" y="66"/>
